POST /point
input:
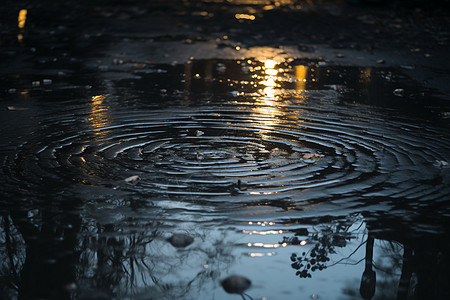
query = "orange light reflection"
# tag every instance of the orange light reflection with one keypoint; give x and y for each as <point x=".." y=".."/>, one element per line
<point x="262" y="245"/>
<point x="300" y="77"/>
<point x="99" y="117"/>
<point x="22" y="18"/>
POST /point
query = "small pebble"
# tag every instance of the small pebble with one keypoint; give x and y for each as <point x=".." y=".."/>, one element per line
<point x="132" y="178"/>
<point x="312" y="156"/>
<point x="235" y="284"/>
<point x="399" y="92"/>
<point x="180" y="240"/>
<point x="441" y="163"/>
<point x="17" y="108"/>
<point x="71" y="286"/>
<point x="407" y="67"/>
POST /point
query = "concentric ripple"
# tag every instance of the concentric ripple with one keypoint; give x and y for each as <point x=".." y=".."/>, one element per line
<point x="299" y="151"/>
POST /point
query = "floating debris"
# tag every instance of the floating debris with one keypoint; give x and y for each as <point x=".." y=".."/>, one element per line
<point x="180" y="240"/>
<point x="441" y="163"/>
<point x="311" y="156"/>
<point x="17" y="108"/>
<point x="199" y="133"/>
<point x="221" y="68"/>
<point x="132" y="179"/>
<point x="242" y="185"/>
<point x="137" y="66"/>
<point x="381" y="61"/>
<point x="399" y="92"/>
<point x="47" y="81"/>
<point x="235" y="284"/>
<point x="70" y="287"/>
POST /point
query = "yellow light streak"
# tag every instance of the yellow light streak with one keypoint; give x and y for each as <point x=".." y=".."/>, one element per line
<point x="262" y="245"/>
<point x="300" y="77"/>
<point x="22" y="18"/>
<point x="245" y="17"/>
<point x="269" y="64"/>
<point x="99" y="116"/>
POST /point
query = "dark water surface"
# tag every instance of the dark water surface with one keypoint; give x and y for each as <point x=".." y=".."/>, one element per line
<point x="314" y="181"/>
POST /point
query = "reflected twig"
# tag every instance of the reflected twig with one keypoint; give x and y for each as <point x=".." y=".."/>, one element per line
<point x="344" y="258"/>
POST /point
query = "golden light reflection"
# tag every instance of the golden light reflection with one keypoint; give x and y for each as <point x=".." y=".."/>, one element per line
<point x="261" y="223"/>
<point x="300" y="77"/>
<point x="260" y="254"/>
<point x="99" y="117"/>
<point x="261" y="193"/>
<point x="269" y="92"/>
<point x="365" y="75"/>
<point x="271" y="72"/>
<point x="251" y="232"/>
<point x="245" y="17"/>
<point x="269" y="82"/>
<point x="269" y="64"/>
<point x="267" y="102"/>
<point x="262" y="245"/>
<point x="22" y="18"/>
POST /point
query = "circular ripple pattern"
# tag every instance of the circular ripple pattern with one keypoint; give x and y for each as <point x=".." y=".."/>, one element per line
<point x="298" y="152"/>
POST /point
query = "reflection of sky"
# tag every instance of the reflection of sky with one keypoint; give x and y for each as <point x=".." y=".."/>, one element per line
<point x="267" y="263"/>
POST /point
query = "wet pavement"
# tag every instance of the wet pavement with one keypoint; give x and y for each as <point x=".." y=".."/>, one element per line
<point x="154" y="150"/>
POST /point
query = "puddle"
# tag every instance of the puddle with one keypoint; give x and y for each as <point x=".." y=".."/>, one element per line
<point x="304" y="177"/>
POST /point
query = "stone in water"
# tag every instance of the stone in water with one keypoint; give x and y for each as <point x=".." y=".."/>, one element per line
<point x="235" y="284"/>
<point x="132" y="179"/>
<point x="180" y="240"/>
